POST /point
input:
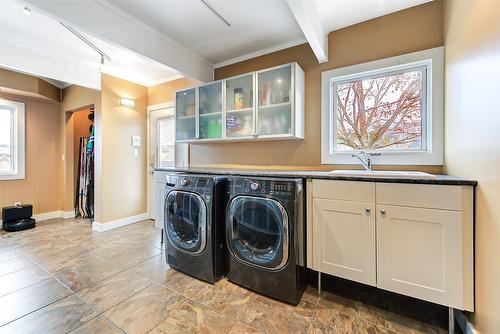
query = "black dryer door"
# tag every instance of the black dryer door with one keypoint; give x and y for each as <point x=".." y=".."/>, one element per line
<point x="257" y="231"/>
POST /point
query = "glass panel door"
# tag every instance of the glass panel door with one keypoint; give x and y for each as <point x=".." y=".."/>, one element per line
<point x="257" y="231"/>
<point x="274" y="111"/>
<point x="185" y="114"/>
<point x="210" y="111"/>
<point x="185" y="221"/>
<point x="239" y="107"/>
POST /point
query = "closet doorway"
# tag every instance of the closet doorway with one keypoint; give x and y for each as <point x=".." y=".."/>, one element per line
<point x="81" y="139"/>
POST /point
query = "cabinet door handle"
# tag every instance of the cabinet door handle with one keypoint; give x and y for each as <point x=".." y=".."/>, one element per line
<point x="382" y="211"/>
<point x="368" y="210"/>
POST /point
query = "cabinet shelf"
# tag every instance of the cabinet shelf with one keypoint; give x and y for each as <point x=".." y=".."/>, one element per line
<point x="273" y="106"/>
<point x="186" y="117"/>
<point x="211" y="114"/>
<point x="239" y="110"/>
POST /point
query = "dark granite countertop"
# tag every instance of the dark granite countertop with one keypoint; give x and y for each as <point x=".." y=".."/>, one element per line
<point x="439" y="179"/>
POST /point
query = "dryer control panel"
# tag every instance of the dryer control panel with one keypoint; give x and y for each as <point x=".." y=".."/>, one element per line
<point x="281" y="188"/>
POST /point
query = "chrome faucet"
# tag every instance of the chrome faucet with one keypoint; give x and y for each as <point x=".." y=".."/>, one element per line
<point x="366" y="159"/>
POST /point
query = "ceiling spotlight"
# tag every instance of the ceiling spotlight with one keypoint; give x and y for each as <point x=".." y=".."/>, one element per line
<point x="26" y="10"/>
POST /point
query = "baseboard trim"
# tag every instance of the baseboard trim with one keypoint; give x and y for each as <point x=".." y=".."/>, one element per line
<point x="101" y="227"/>
<point x="464" y="323"/>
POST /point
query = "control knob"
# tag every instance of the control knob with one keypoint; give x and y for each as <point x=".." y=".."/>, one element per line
<point x="254" y="186"/>
<point x="184" y="182"/>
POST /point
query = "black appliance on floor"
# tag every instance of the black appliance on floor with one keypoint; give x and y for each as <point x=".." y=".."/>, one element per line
<point x="18" y="218"/>
<point x="194" y="224"/>
<point x="265" y="235"/>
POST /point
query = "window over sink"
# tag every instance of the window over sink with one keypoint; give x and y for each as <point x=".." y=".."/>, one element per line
<point x="392" y="106"/>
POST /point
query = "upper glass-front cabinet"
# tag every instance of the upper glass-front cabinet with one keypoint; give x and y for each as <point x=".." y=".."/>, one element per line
<point x="274" y="108"/>
<point x="239" y="107"/>
<point x="210" y="111"/>
<point x="267" y="104"/>
<point x="185" y="115"/>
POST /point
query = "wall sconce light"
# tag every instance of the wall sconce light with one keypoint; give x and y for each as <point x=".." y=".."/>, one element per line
<point x="126" y="102"/>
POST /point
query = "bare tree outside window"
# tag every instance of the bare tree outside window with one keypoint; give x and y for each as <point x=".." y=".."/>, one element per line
<point x="381" y="113"/>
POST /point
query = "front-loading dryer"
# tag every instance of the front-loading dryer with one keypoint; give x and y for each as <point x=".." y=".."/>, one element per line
<point x="265" y="236"/>
<point x="194" y="225"/>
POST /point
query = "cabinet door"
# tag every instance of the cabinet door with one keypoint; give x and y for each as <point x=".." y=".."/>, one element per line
<point x="419" y="253"/>
<point x="345" y="239"/>
<point x="240" y="107"/>
<point x="210" y="111"/>
<point x="185" y="115"/>
<point x="274" y="102"/>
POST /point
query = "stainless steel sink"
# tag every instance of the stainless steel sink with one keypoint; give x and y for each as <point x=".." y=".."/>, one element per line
<point x="384" y="174"/>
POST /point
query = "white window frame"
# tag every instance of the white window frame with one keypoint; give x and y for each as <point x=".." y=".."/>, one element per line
<point x="18" y="109"/>
<point x="171" y="163"/>
<point x="433" y="119"/>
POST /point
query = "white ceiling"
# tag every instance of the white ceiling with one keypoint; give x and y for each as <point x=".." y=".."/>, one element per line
<point x="255" y="24"/>
<point x="343" y="13"/>
<point x="44" y="36"/>
<point x="180" y="34"/>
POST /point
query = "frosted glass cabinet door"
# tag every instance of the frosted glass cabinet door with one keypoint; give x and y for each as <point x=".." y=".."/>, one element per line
<point x="274" y="101"/>
<point x="185" y="115"/>
<point x="239" y="107"/>
<point x="210" y="111"/>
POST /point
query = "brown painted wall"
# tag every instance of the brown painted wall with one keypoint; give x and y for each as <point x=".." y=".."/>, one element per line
<point x="472" y="149"/>
<point x="165" y="92"/>
<point x="410" y="30"/>
<point x="41" y="186"/>
<point x="27" y="84"/>
<point x="124" y="176"/>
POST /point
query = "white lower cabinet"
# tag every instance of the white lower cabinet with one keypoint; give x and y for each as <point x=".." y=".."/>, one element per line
<point x="419" y="253"/>
<point x="412" y="239"/>
<point x="345" y="239"/>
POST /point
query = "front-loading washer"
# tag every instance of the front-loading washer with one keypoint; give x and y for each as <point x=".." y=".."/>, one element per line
<point x="194" y="225"/>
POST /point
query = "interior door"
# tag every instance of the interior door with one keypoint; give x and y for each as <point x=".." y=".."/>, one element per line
<point x="161" y="147"/>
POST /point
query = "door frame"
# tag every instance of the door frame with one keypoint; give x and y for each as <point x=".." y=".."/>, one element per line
<point x="150" y="109"/>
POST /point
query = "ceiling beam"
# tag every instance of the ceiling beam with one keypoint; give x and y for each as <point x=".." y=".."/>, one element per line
<point x="22" y="59"/>
<point x="108" y="23"/>
<point x="313" y="26"/>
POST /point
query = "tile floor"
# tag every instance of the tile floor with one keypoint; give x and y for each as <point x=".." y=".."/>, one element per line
<point x="62" y="277"/>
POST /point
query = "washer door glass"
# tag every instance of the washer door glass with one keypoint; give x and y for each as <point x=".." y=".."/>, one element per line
<point x="257" y="231"/>
<point x="185" y="221"/>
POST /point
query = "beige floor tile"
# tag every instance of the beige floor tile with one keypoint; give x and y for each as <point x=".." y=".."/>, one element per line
<point x="59" y="317"/>
<point x="89" y="272"/>
<point x="332" y="321"/>
<point x="114" y="290"/>
<point x="373" y="315"/>
<point x="14" y="264"/>
<point x="21" y="279"/>
<point x="225" y="297"/>
<point x="271" y="316"/>
<point x="21" y="302"/>
<point x="242" y="328"/>
<point x="8" y="253"/>
<point x="98" y="325"/>
<point x="159" y="271"/>
<point x="193" y="317"/>
<point x="145" y="310"/>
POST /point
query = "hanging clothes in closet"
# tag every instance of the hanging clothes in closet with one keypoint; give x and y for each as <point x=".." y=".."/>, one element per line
<point x="85" y="184"/>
